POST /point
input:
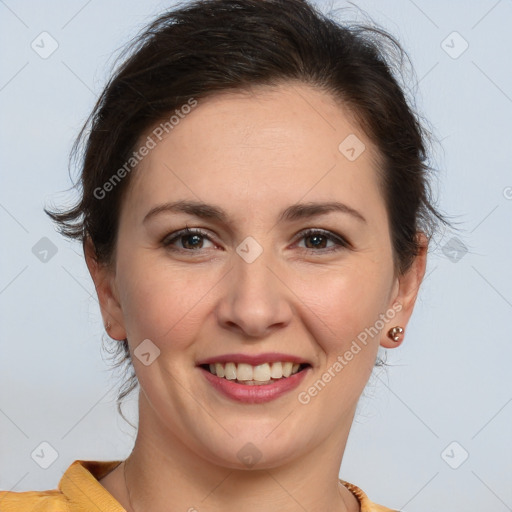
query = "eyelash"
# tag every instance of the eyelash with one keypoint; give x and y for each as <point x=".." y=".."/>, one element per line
<point x="340" y="242"/>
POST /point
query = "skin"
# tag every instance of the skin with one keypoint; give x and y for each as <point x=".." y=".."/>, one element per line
<point x="251" y="154"/>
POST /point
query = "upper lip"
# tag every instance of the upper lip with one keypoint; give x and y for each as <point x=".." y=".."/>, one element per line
<point x="253" y="360"/>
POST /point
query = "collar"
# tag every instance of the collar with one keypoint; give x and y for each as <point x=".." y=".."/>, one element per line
<point x="81" y="487"/>
<point x="80" y="484"/>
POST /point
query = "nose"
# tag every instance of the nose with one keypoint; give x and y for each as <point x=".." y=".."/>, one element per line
<point x="256" y="299"/>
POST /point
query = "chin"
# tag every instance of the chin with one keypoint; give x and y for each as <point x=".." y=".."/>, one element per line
<point x="252" y="452"/>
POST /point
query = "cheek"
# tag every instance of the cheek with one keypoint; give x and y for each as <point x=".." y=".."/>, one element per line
<point x="343" y="305"/>
<point x="161" y="302"/>
<point x="348" y="295"/>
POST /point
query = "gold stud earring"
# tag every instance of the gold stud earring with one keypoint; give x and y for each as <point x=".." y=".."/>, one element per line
<point x="108" y="326"/>
<point x="395" y="333"/>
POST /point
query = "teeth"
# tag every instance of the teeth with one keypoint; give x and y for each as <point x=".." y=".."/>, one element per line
<point x="219" y="370"/>
<point x="261" y="373"/>
<point x="244" y="372"/>
<point x="230" y="371"/>
<point x="256" y="382"/>
<point x="287" y="369"/>
<point x="276" y="372"/>
<point x="254" y="375"/>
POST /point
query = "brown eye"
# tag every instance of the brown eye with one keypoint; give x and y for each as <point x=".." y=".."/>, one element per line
<point x="317" y="241"/>
<point x="190" y="240"/>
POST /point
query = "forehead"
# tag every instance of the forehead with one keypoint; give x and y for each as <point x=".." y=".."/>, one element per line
<point x="264" y="145"/>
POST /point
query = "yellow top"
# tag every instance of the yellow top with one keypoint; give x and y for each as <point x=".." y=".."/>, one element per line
<point x="80" y="491"/>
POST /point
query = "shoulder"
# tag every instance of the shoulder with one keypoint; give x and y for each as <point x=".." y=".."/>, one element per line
<point x="79" y="490"/>
<point x="33" y="501"/>
<point x="365" y="503"/>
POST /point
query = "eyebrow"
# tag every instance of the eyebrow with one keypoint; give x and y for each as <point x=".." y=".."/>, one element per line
<point x="292" y="213"/>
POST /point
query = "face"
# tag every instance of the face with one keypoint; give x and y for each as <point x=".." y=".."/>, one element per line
<point x="258" y="279"/>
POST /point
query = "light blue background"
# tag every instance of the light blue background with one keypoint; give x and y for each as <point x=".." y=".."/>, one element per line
<point x="450" y="380"/>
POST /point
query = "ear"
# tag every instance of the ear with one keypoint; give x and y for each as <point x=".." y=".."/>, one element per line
<point x="405" y="292"/>
<point x="104" y="282"/>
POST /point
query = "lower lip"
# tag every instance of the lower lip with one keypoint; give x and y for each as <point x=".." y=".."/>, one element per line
<point x="255" y="394"/>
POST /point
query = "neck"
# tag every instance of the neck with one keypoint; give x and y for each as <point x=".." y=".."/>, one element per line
<point x="162" y="473"/>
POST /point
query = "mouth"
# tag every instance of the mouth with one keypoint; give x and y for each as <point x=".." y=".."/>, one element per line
<point x="255" y="375"/>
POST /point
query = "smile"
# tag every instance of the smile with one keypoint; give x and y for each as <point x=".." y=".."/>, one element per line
<point x="247" y="374"/>
<point x="254" y="379"/>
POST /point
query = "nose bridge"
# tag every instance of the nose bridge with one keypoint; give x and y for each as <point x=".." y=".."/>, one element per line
<point x="252" y="272"/>
<point x="254" y="298"/>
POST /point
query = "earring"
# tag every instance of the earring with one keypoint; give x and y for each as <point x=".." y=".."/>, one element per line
<point x="395" y="332"/>
<point x="108" y="326"/>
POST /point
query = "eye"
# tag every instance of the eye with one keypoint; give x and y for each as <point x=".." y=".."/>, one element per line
<point x="319" y="238"/>
<point x="190" y="239"/>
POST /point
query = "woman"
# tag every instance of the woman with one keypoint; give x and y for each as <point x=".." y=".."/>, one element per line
<point x="255" y="216"/>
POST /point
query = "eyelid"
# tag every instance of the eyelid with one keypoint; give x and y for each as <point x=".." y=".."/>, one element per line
<point x="171" y="237"/>
<point x="340" y="242"/>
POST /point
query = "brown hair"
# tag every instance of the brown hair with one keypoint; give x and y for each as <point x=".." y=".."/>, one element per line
<point x="204" y="47"/>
